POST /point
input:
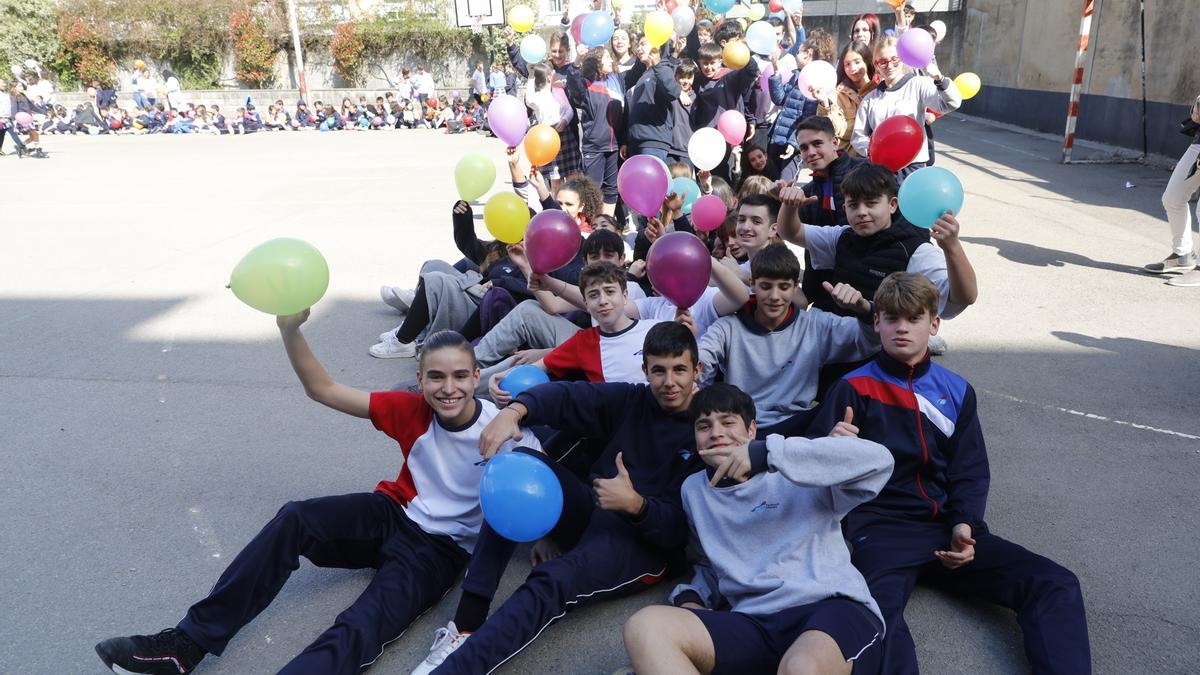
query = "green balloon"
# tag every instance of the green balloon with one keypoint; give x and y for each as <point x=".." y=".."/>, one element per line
<point x="474" y="175"/>
<point x="281" y="277"/>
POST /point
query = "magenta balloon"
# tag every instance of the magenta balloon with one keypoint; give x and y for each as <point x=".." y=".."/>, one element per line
<point x="642" y="182"/>
<point x="708" y="213"/>
<point x="551" y="241"/>
<point x="915" y="48"/>
<point x="577" y="28"/>
<point x="507" y="119"/>
<point x="679" y="266"/>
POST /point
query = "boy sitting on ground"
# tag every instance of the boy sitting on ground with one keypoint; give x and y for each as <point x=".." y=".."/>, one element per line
<point x="927" y="522"/>
<point x="796" y="604"/>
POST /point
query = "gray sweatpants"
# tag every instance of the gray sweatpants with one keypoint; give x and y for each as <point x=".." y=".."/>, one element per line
<point x="453" y="296"/>
<point x="527" y="324"/>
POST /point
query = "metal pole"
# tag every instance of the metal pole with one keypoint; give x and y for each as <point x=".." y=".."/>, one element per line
<point x="1085" y="31"/>
<point x="1145" y="133"/>
<point x="299" y="53"/>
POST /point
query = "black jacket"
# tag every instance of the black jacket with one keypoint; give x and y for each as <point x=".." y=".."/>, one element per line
<point x="649" y="114"/>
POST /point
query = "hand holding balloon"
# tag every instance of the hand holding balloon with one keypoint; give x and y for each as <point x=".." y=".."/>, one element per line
<point x="945" y="231"/>
<point x="292" y="322"/>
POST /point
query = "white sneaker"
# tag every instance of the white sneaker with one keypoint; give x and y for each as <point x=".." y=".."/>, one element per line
<point x="400" y="298"/>
<point x="383" y="337"/>
<point x="445" y="641"/>
<point x="391" y="348"/>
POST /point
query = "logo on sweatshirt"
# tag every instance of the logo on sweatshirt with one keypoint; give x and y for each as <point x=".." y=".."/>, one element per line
<point x="684" y="453"/>
<point x="764" y="506"/>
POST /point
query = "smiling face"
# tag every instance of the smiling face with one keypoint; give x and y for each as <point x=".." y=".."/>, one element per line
<point x="754" y="228"/>
<point x="817" y="149"/>
<point x="906" y="338"/>
<point x="868" y="215"/>
<point x="672" y="380"/>
<point x="709" y="67"/>
<point x="721" y="430"/>
<point x="861" y="32"/>
<point x="772" y="299"/>
<point x="855" y="67"/>
<point x="448" y="378"/>
<point x="605" y="302"/>
<point x="570" y="202"/>
<point x="558" y="53"/>
<point x="757" y="159"/>
<point x="620" y="41"/>
<point x="887" y="64"/>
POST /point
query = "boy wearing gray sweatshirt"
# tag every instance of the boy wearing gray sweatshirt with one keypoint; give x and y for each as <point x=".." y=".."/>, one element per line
<point x="774" y="351"/>
<point x="766" y="517"/>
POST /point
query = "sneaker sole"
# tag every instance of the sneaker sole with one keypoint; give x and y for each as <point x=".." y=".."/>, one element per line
<point x="1186" y="285"/>
<point x="391" y="356"/>
<point x="1170" y="270"/>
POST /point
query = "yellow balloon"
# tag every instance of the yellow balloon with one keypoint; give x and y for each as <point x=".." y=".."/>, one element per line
<point x="506" y="216"/>
<point x="659" y="28"/>
<point x="968" y="85"/>
<point x="757" y="11"/>
<point x="617" y="4"/>
<point x="736" y="54"/>
<point x="521" y="18"/>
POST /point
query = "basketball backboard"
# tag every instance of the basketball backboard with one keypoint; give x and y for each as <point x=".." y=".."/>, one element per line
<point x="473" y="13"/>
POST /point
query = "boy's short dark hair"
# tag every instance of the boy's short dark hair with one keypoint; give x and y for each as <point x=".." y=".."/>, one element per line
<point x="601" y="273"/>
<point x="775" y="262"/>
<point x="771" y="203"/>
<point x="709" y="51"/>
<point x="728" y="30"/>
<point x="818" y="123"/>
<point x="670" y="338"/>
<point x="686" y="68"/>
<point x="870" y="181"/>
<point x="722" y="398"/>
<point x="906" y="294"/>
<point x="446" y="339"/>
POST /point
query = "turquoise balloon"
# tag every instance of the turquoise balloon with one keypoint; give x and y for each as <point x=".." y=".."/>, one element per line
<point x="719" y="6"/>
<point x="281" y="277"/>
<point x="928" y="193"/>
<point x="687" y="189"/>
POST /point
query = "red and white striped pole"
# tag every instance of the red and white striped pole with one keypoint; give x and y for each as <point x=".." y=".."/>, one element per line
<point x="1085" y="31"/>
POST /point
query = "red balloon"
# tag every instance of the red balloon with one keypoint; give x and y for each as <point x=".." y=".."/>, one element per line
<point x="775" y="5"/>
<point x="577" y="28"/>
<point x="896" y="142"/>
<point x="679" y="265"/>
<point x="670" y="5"/>
<point x="551" y="241"/>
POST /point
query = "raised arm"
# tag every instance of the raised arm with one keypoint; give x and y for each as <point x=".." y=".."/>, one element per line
<point x="319" y="386"/>
<point x="943" y="97"/>
<point x="733" y="293"/>
<point x="853" y="469"/>
<point x="791" y="199"/>
<point x="964" y="289"/>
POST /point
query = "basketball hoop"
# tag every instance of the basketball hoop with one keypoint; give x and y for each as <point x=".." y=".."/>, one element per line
<point x="477" y="23"/>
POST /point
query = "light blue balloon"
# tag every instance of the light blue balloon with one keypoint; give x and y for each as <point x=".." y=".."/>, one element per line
<point x="523" y="378"/>
<point x="928" y="193"/>
<point x="520" y="496"/>
<point x="687" y="189"/>
<point x="597" y="28"/>
<point x="533" y="49"/>
<point x="760" y="36"/>
<point x="719" y="6"/>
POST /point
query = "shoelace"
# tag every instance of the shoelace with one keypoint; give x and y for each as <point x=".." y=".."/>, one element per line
<point x="442" y="640"/>
<point x="165" y="638"/>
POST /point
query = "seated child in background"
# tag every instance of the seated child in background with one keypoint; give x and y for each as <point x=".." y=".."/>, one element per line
<point x="927" y="523"/>
<point x="795" y="603"/>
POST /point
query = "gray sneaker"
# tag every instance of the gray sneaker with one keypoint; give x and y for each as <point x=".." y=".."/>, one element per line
<point x="1186" y="280"/>
<point x="1174" y="263"/>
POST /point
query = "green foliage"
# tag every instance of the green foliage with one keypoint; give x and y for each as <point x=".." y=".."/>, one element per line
<point x="27" y="31"/>
<point x="254" y="54"/>
<point x="82" y="53"/>
<point x="347" y="48"/>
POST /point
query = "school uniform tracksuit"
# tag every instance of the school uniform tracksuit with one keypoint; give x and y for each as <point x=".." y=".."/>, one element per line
<point x="649" y="114"/>
<point x="606" y="554"/>
<point x="601" y="106"/>
<point x="926" y="416"/>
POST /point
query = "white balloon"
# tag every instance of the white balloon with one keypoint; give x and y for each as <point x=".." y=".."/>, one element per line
<point x="820" y="75"/>
<point x="16" y="69"/>
<point x="684" y="19"/>
<point x="939" y="27"/>
<point x="792" y="6"/>
<point x="739" y="11"/>
<point x="760" y="37"/>
<point x="706" y="148"/>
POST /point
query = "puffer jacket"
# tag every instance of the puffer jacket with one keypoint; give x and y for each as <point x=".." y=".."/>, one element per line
<point x="794" y="106"/>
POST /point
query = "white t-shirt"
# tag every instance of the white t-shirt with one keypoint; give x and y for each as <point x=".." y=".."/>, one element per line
<point x="438" y="485"/>
<point x="704" y="313"/>
<point x="602" y="357"/>
<point x="928" y="259"/>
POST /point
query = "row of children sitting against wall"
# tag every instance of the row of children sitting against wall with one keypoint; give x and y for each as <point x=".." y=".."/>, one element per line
<point x="894" y="455"/>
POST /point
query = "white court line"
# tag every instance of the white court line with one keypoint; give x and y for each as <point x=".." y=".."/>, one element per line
<point x="1093" y="416"/>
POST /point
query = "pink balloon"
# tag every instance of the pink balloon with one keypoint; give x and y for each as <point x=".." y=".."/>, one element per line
<point x="23" y="119"/>
<point x="642" y="182"/>
<point x="732" y="125"/>
<point x="577" y="28"/>
<point x="819" y="74"/>
<point x="679" y="266"/>
<point x="764" y="77"/>
<point x="551" y="241"/>
<point x="507" y="119"/>
<point x="708" y="213"/>
<point x="915" y="48"/>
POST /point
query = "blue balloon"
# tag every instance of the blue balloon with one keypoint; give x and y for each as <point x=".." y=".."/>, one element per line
<point x="521" y="378"/>
<point x="928" y="193"/>
<point x="719" y="6"/>
<point x="597" y="28"/>
<point x="520" y="496"/>
<point x="687" y="189"/>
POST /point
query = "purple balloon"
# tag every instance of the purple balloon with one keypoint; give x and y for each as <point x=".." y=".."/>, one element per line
<point x="915" y="48"/>
<point x="507" y="119"/>
<point x="679" y="266"/>
<point x="708" y="213"/>
<point x="643" y="181"/>
<point x="551" y="241"/>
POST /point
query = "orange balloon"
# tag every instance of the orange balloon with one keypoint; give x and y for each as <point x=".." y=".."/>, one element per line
<point x="896" y="4"/>
<point x="541" y="144"/>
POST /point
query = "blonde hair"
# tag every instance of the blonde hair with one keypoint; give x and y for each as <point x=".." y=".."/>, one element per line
<point x="884" y="42"/>
<point x="755" y="185"/>
<point x="906" y="294"/>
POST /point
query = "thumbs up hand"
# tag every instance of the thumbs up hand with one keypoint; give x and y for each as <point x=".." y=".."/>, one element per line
<point x="845" y="428"/>
<point x="617" y="493"/>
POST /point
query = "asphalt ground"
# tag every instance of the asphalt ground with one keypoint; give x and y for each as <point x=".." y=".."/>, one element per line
<point x="151" y="423"/>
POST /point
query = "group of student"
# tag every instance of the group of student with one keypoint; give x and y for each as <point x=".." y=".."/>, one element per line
<point x="787" y="436"/>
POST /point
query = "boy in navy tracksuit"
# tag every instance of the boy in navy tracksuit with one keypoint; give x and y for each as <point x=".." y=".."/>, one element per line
<point x="718" y="88"/>
<point x="927" y="522"/>
<point x="649" y="116"/>
<point x="619" y="533"/>
<point x="598" y="92"/>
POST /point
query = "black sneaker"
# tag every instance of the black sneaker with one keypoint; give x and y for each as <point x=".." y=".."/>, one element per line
<point x="170" y="652"/>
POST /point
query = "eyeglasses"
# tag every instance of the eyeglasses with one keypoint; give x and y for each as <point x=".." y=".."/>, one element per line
<point x="893" y="62"/>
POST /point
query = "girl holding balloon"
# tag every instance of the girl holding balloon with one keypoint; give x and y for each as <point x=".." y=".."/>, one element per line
<point x="903" y="93"/>
<point x="569" y="158"/>
<point x="856" y="79"/>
